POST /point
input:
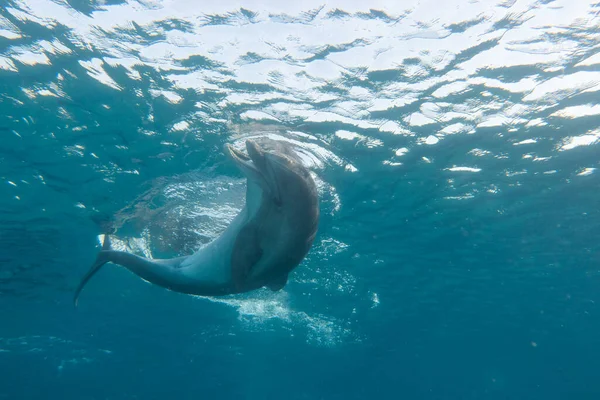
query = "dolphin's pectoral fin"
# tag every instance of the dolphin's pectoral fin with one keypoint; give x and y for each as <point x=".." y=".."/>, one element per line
<point x="278" y="283"/>
<point x="100" y="261"/>
<point x="246" y="253"/>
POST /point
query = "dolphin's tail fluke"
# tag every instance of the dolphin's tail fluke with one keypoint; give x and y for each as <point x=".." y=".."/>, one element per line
<point x="100" y="261"/>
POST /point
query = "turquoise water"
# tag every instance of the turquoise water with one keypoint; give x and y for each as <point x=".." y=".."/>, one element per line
<point x="455" y="147"/>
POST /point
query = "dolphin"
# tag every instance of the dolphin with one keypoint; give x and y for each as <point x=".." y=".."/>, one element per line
<point x="268" y="238"/>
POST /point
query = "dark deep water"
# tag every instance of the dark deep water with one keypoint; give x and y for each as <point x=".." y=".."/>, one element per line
<point x="455" y="146"/>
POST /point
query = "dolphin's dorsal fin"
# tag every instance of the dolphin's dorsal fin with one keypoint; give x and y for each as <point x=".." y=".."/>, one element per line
<point x="246" y="253"/>
<point x="278" y="283"/>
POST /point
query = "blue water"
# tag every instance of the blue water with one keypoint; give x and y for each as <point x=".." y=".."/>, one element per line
<point x="455" y="147"/>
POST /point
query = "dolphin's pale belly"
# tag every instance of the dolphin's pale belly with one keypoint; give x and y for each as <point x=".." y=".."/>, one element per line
<point x="210" y="265"/>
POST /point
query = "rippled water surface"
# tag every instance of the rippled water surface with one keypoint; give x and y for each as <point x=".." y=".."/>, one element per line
<point x="455" y="148"/>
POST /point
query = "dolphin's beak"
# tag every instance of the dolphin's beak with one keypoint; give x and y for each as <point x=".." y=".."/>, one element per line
<point x="255" y="167"/>
<point x="249" y="168"/>
<point x="264" y="163"/>
<point x="242" y="161"/>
